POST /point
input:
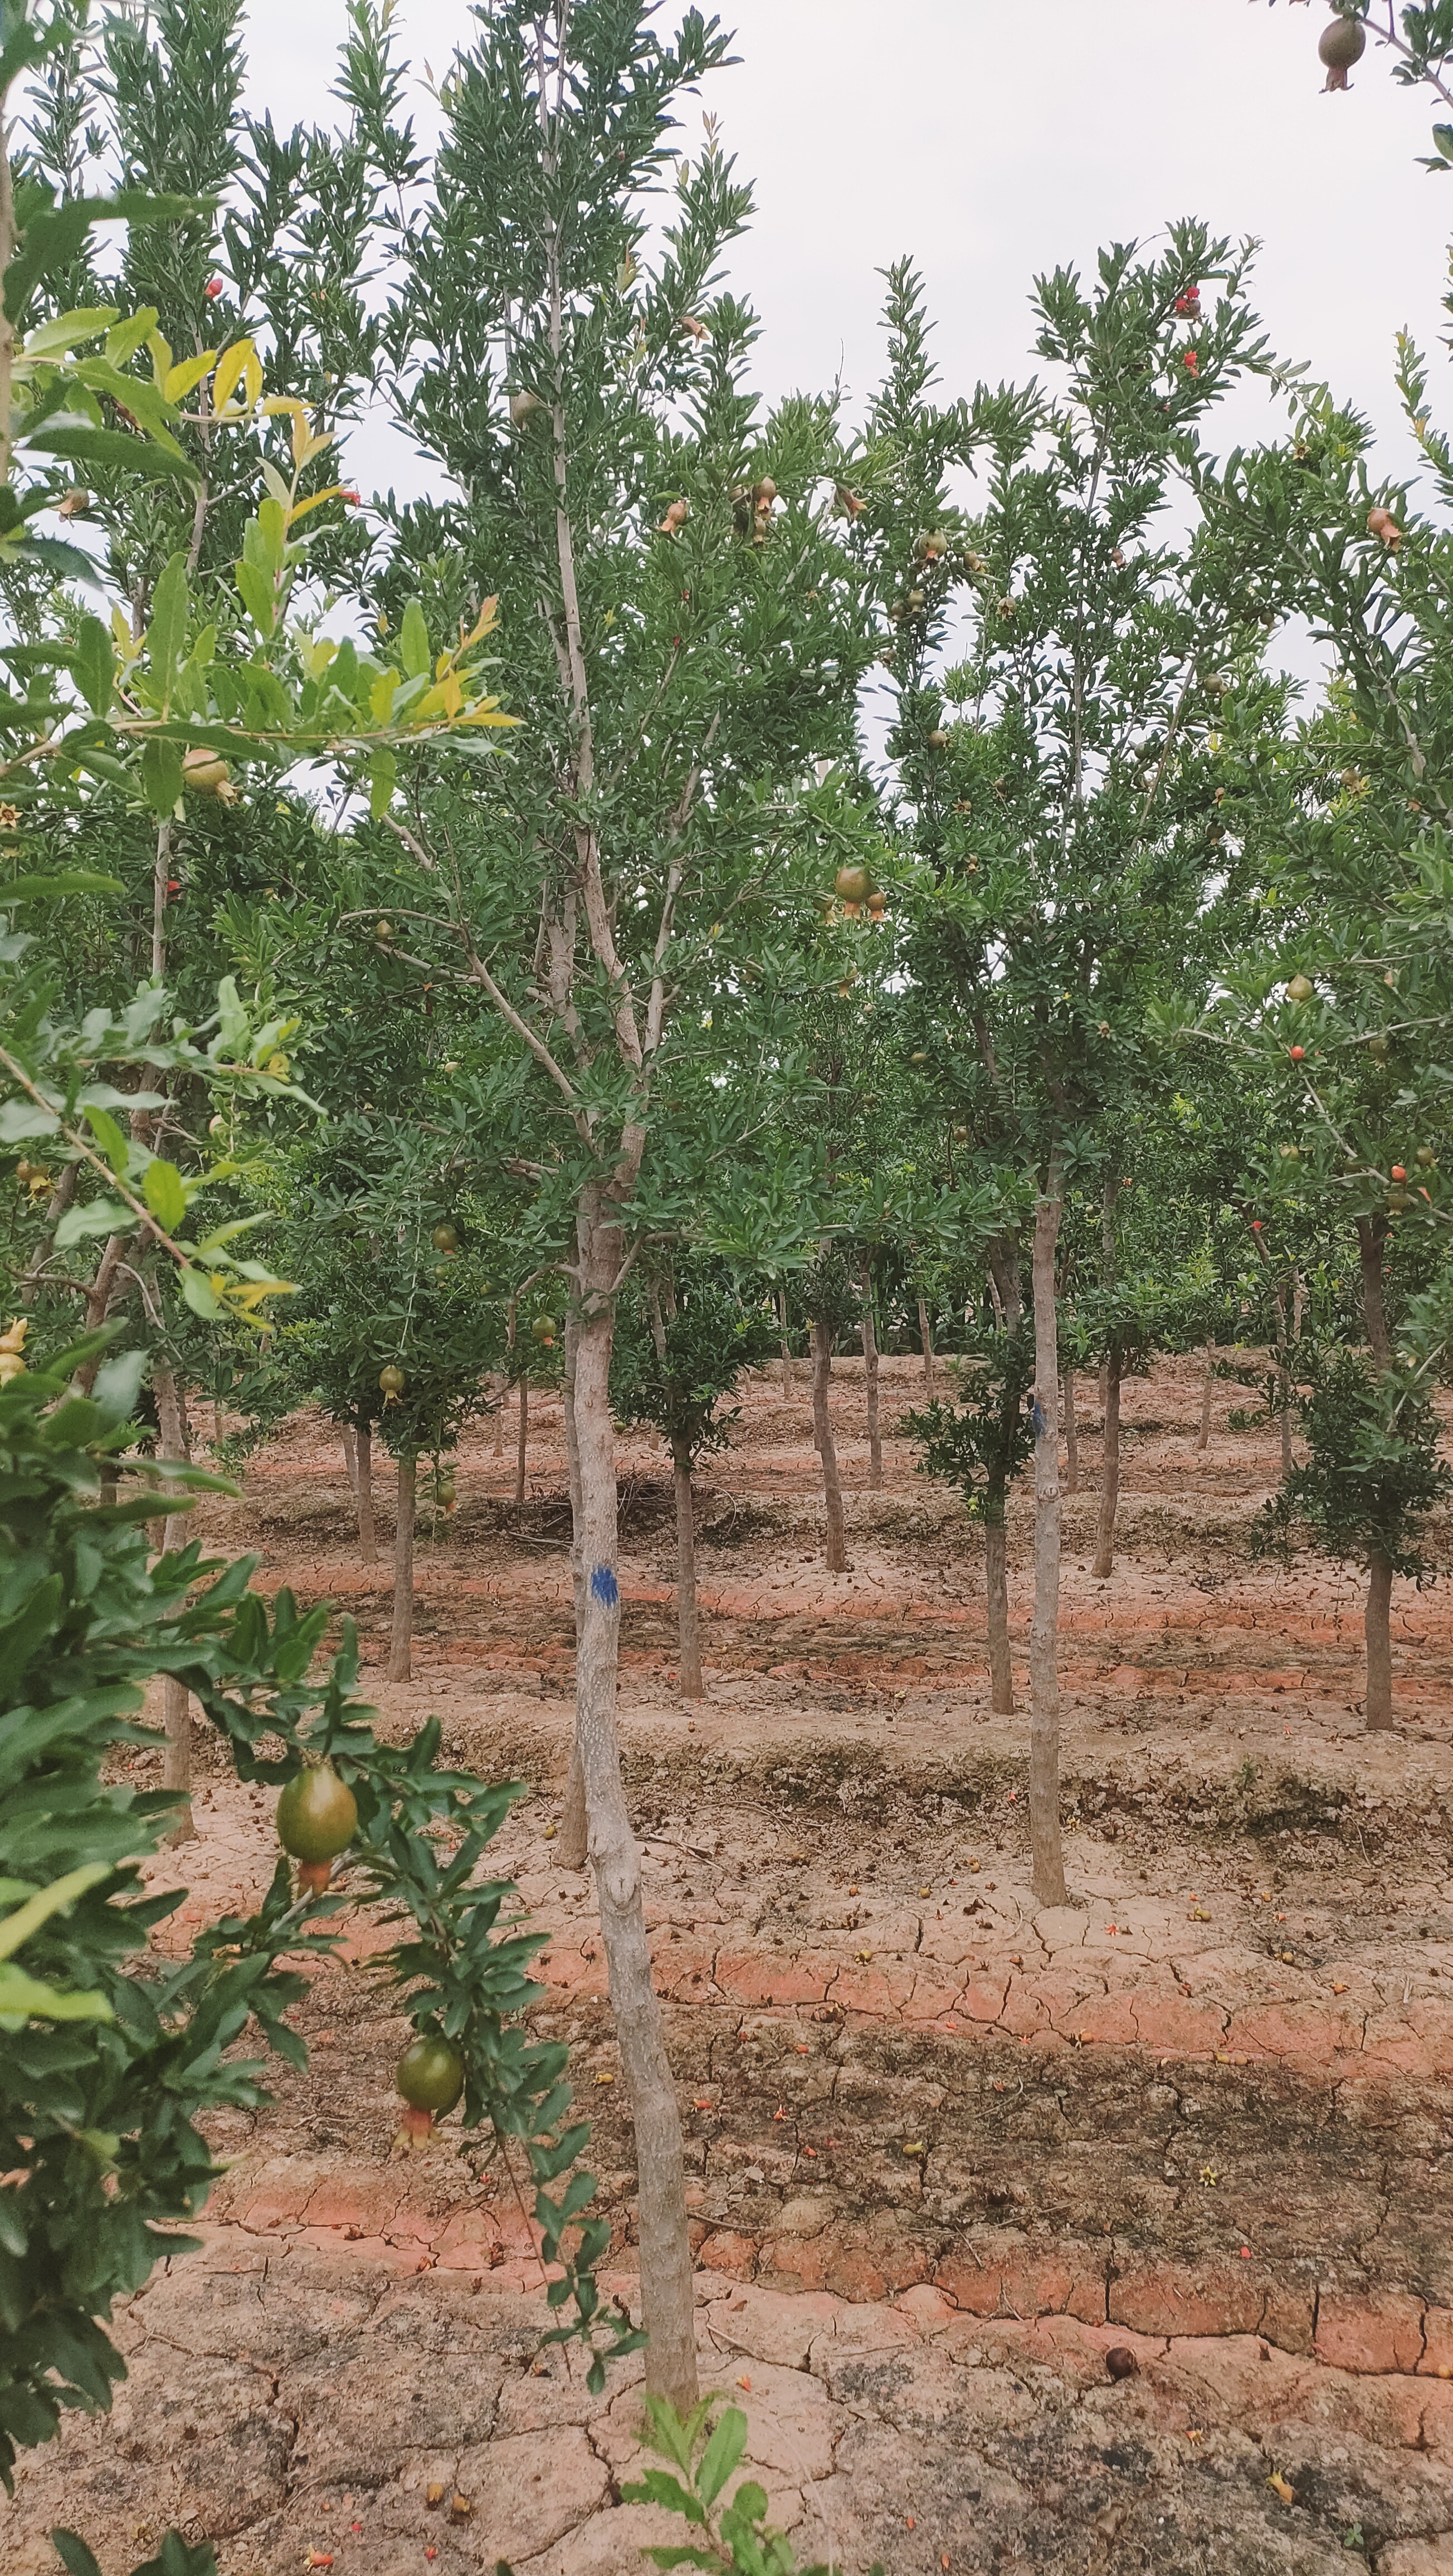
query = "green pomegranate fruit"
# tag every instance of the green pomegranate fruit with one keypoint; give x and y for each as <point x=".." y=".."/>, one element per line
<point x="543" y="1331"/>
<point x="852" y="885"/>
<point x="1300" y="989"/>
<point x="1426" y="1156"/>
<point x="1342" y="43"/>
<point x="430" y="2076"/>
<point x="391" y="1380"/>
<point x="446" y="1239"/>
<point x="317" y="1818"/>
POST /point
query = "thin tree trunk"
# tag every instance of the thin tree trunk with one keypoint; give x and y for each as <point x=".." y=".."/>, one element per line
<point x="995" y="1300"/>
<point x="692" y="1685"/>
<point x="996" y="1598"/>
<point x="1283" y="1378"/>
<point x="60" y="1199"/>
<point x="367" y="1534"/>
<point x="1109" y="1481"/>
<point x="350" y="1455"/>
<point x="1204" y="1433"/>
<point x="1377" y="1630"/>
<point x="572" y="1853"/>
<point x="837" y="1545"/>
<point x="786" y="1345"/>
<point x="1044" y="1830"/>
<point x="666" y="2262"/>
<point x="926" y="1340"/>
<point x="401" y="1635"/>
<point x="176" y="1764"/>
<point x="1371" y="1238"/>
<point x="520" y="1452"/>
<point x="870" y="1375"/>
<point x="1072" y="1436"/>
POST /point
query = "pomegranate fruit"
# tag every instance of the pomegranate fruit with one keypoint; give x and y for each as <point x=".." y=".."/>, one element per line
<point x="430" y="2077"/>
<point x="317" y="1818"/>
<point x="852" y="885"/>
<point x="1342" y="42"/>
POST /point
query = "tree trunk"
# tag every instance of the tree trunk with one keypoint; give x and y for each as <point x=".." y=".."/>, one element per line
<point x="1109" y="1481"/>
<point x="350" y="1456"/>
<point x="1377" y="1630"/>
<point x="786" y="1345"/>
<point x="1204" y="1433"/>
<point x="837" y="1545"/>
<point x="1283" y="1378"/>
<point x="925" y="1337"/>
<point x="497" y="1418"/>
<point x="692" y="1685"/>
<point x="1371" y="1238"/>
<point x="523" y="1444"/>
<point x="1044" y="1832"/>
<point x="996" y="1597"/>
<point x="870" y="1376"/>
<point x="572" y="1836"/>
<point x="1072" y="1436"/>
<point x="401" y="1636"/>
<point x="367" y="1534"/>
<point x="176" y="1761"/>
<point x="666" y="2263"/>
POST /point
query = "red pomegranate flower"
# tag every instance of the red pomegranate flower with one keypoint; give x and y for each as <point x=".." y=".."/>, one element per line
<point x="1190" y="362"/>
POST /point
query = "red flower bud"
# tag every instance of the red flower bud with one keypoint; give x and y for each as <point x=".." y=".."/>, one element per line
<point x="212" y="289"/>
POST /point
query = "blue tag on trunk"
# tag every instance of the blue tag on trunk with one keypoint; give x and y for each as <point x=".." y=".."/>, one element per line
<point x="604" y="1587"/>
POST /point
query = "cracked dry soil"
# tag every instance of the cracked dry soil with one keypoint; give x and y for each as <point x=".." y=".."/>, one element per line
<point x="947" y="2149"/>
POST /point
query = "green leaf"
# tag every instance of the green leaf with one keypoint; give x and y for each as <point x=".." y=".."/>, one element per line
<point x="164" y="1194"/>
<point x="36" y="1619"/>
<point x="166" y="635"/>
<point x="73" y="2554"/>
<point x="257" y="595"/>
<point x="94" y="664"/>
<point x="98" y="1216"/>
<point x="721" y="2454"/>
<point x="161" y="775"/>
<point x="54" y="234"/>
<point x="383" y="770"/>
<point x="58" y="1898"/>
<point x="109" y="1137"/>
<point x="198" y="1293"/>
<point x="414" y="642"/>
<point x="120" y="450"/>
<point x="65" y="881"/>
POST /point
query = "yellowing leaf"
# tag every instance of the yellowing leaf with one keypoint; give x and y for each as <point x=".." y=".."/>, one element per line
<point x="179" y="380"/>
<point x="252" y="385"/>
<point x="231" y="368"/>
<point x="161" y="356"/>
<point x="487" y="713"/>
<point x="300" y="509"/>
<point x="484" y="624"/>
<point x="381" y="696"/>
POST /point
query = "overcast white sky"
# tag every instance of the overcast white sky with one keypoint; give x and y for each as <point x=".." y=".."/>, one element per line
<point x="990" y="141"/>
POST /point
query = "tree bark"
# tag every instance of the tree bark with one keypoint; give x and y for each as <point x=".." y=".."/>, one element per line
<point x="401" y="1635"/>
<point x="1371" y="1239"/>
<point x="176" y="1701"/>
<point x="1044" y="1830"/>
<point x="367" y="1534"/>
<point x="572" y="1835"/>
<point x="350" y="1455"/>
<point x="1204" y="1433"/>
<point x="666" y="2262"/>
<point x="520" y="1452"/>
<point x="925" y="1336"/>
<point x="692" y="1685"/>
<point x="837" y="1545"/>
<point x="870" y="1375"/>
<point x="786" y="1345"/>
<point x="1283" y="1377"/>
<point x="1377" y="1629"/>
<point x="996" y="1600"/>
<point x="1109" y="1480"/>
<point x="1072" y="1436"/>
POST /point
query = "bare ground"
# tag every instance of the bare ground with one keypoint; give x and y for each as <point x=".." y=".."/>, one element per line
<point x="948" y="2149"/>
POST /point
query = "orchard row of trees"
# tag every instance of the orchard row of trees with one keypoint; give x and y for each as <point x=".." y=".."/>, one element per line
<point x="468" y="941"/>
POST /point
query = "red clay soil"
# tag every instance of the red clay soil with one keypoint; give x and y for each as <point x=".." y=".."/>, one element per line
<point x="948" y="2148"/>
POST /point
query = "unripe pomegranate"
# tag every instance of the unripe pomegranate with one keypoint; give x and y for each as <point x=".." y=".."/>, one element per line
<point x="391" y="1380"/>
<point x="383" y="932"/>
<point x="210" y="776"/>
<point x="1300" y="989"/>
<point x="852" y="885"/>
<point x="1426" y="1156"/>
<point x="446" y="1240"/>
<point x="938" y="740"/>
<point x="430" y="2076"/>
<point x="317" y="1818"/>
<point x="523" y="408"/>
<point x="1342" y="42"/>
<point x="543" y="1331"/>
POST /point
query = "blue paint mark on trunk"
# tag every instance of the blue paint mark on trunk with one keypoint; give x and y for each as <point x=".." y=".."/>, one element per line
<point x="604" y="1587"/>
